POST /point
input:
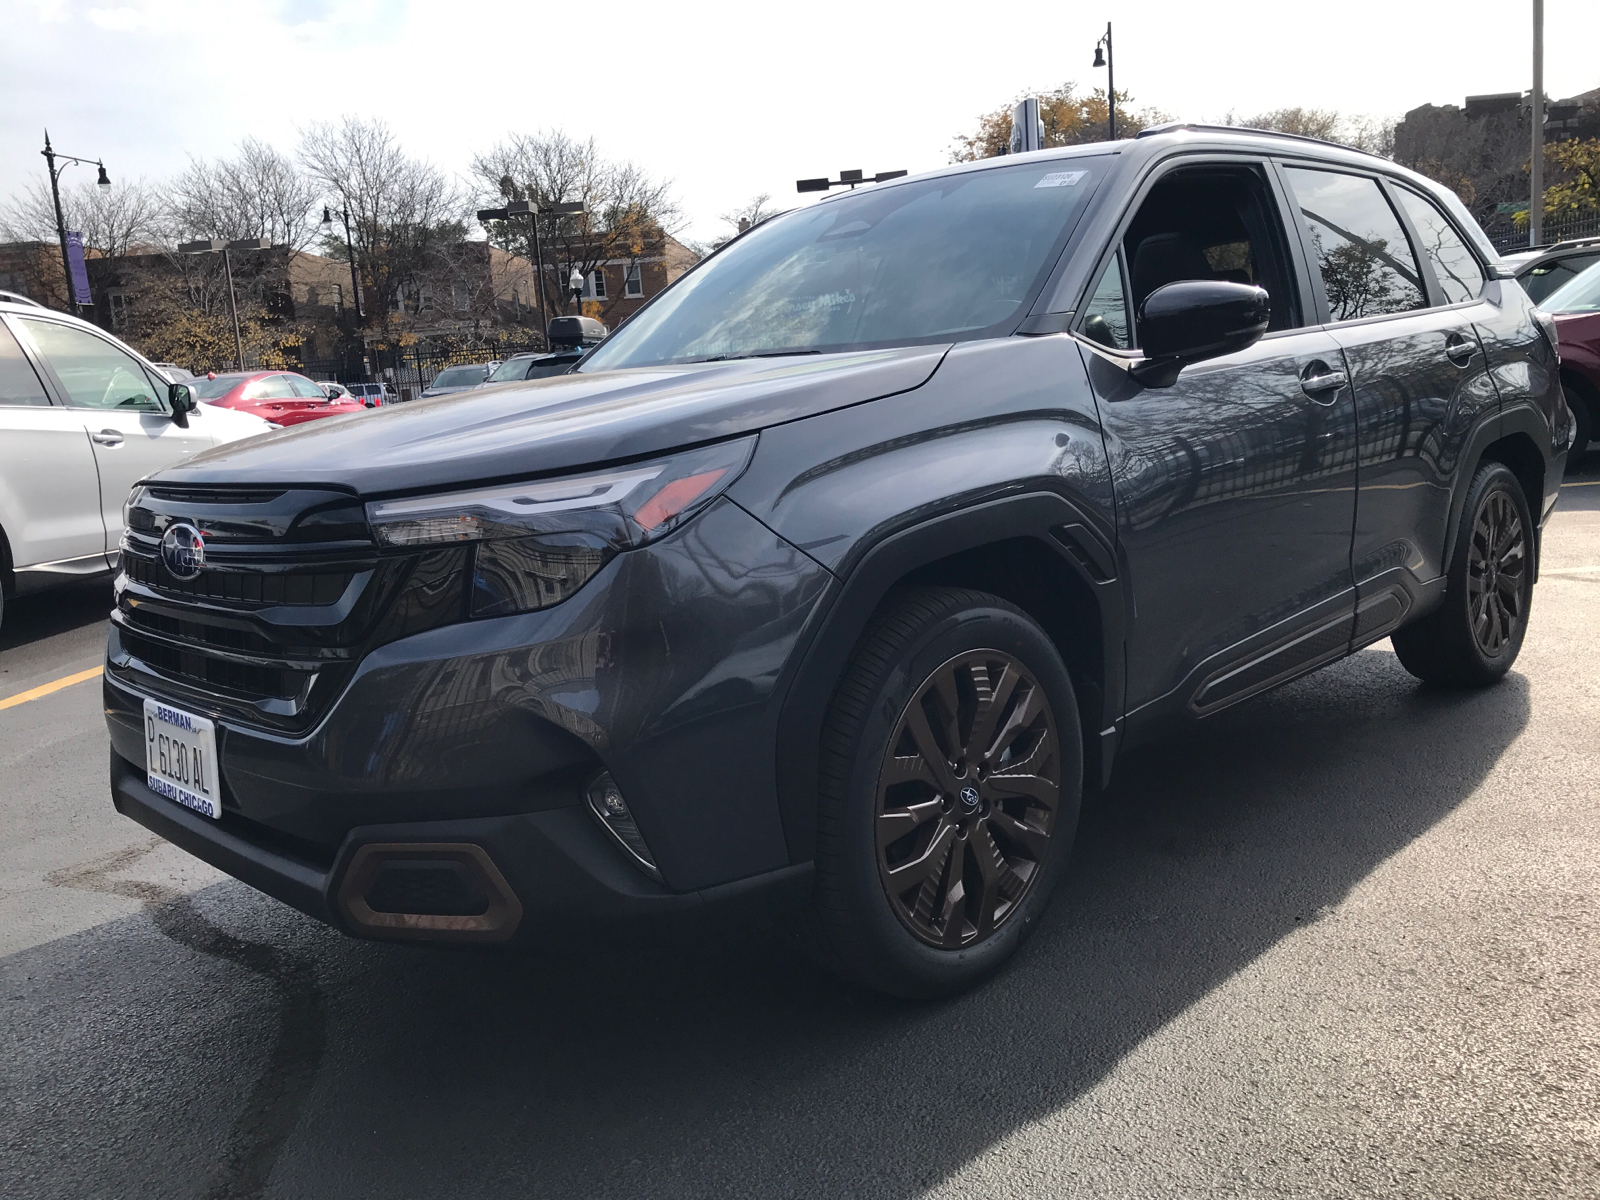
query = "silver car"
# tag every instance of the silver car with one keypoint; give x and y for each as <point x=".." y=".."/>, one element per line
<point x="458" y="379"/>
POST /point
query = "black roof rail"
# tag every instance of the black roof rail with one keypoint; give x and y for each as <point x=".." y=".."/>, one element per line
<point x="1570" y="243"/>
<point x="1202" y="127"/>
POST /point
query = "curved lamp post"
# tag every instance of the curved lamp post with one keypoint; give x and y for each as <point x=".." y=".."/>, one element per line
<point x="103" y="183"/>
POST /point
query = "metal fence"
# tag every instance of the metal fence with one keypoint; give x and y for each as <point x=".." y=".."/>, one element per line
<point x="407" y="369"/>
<point x="1507" y="237"/>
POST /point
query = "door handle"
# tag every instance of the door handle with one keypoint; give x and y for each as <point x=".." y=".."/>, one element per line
<point x="106" y="437"/>
<point x="1319" y="379"/>
<point x="1459" y="350"/>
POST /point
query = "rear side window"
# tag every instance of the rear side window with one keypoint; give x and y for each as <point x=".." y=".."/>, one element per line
<point x="95" y="373"/>
<point x="1454" y="266"/>
<point x="18" y="384"/>
<point x="1367" y="265"/>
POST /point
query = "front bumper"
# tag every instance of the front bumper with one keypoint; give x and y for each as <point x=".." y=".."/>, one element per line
<point x="665" y="670"/>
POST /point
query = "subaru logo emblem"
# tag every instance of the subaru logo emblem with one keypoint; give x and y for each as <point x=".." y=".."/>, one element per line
<point x="183" y="551"/>
<point x="969" y="798"/>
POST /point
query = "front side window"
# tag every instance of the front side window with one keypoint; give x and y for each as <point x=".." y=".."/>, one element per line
<point x="19" y="385"/>
<point x="1105" y="317"/>
<point x="304" y="388"/>
<point x="94" y="372"/>
<point x="1454" y="266"/>
<point x="950" y="258"/>
<point x="273" y="387"/>
<point x="1368" y="268"/>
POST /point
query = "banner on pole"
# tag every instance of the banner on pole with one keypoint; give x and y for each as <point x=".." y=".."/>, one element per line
<point x="80" y="274"/>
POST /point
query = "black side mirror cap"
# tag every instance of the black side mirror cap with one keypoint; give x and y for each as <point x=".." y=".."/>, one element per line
<point x="181" y="399"/>
<point x="1193" y="320"/>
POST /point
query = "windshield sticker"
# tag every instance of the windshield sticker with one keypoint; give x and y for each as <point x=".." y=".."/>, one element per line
<point x="1061" y="179"/>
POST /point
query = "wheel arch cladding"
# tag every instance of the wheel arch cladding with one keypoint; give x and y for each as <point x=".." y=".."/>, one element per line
<point x="1034" y="551"/>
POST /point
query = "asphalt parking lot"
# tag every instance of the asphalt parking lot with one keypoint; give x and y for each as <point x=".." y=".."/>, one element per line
<point x="1342" y="941"/>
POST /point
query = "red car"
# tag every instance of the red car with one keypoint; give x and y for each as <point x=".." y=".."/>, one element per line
<point x="281" y="397"/>
<point x="1576" y="309"/>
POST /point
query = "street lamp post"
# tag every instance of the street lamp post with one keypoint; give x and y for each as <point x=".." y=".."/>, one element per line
<point x="575" y="282"/>
<point x="103" y="182"/>
<point x="526" y="208"/>
<point x="213" y="245"/>
<point x="1104" y="60"/>
<point x="355" y="284"/>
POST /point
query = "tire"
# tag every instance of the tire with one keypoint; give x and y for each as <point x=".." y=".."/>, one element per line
<point x="1473" y="637"/>
<point x="1583" y="418"/>
<point x="933" y="910"/>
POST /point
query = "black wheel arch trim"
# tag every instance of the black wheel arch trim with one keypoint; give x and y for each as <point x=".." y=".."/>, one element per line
<point x="1060" y="526"/>
<point x="1523" y="419"/>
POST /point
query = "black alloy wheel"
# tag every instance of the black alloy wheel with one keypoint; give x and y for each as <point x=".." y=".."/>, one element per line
<point x="950" y="779"/>
<point x="1497" y="560"/>
<point x="967" y="798"/>
<point x="1475" y="634"/>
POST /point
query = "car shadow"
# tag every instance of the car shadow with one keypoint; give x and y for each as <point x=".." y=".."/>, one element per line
<point x="718" y="1066"/>
<point x="42" y="615"/>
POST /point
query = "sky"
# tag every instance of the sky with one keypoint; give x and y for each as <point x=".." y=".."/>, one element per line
<point x="726" y="99"/>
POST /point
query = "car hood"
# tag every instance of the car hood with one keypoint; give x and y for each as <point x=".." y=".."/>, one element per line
<point x="566" y="421"/>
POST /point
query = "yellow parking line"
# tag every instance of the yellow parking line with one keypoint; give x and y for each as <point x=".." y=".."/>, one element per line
<point x="44" y="689"/>
<point x="1583" y="483"/>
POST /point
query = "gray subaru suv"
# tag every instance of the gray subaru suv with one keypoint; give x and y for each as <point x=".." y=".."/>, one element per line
<point x="830" y="581"/>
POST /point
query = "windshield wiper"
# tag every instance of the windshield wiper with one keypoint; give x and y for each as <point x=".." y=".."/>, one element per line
<point x="757" y="354"/>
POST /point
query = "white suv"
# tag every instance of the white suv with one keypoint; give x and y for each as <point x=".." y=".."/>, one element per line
<point x="82" y="419"/>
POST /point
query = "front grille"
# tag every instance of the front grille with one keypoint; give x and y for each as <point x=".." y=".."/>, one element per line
<point x="252" y="587"/>
<point x="274" y="625"/>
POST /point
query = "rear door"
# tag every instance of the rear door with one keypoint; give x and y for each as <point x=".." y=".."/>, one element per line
<point x="119" y="405"/>
<point x="49" y="488"/>
<point x="1421" y="380"/>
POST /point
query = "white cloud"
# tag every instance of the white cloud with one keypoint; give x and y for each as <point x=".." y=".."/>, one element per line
<point x="118" y="19"/>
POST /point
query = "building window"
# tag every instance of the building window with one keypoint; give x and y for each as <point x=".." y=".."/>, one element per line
<point x="633" y="282"/>
<point x="338" y="300"/>
<point x="594" y="285"/>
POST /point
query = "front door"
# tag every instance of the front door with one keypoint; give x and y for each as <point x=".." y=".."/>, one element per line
<point x="49" y="489"/>
<point x="120" y="406"/>
<point x="1235" y="488"/>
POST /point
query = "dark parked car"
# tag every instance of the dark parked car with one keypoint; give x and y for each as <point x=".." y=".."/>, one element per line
<point x="570" y="338"/>
<point x="833" y="577"/>
<point x="1576" y="309"/>
<point x="1543" y="269"/>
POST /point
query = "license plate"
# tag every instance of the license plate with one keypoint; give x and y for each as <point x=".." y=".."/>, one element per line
<point x="180" y="757"/>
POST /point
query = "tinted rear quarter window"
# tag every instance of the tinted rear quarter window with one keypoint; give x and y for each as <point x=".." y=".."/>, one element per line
<point x="1367" y="265"/>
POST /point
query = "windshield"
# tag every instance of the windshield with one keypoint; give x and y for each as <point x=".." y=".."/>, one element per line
<point x="458" y="376"/>
<point x="512" y="368"/>
<point x="1579" y="294"/>
<point x="212" y="389"/>
<point x="931" y="260"/>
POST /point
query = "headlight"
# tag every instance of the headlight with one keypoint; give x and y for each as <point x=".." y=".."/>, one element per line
<point x="539" y="542"/>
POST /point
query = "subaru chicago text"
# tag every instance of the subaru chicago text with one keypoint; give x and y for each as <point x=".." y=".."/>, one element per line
<point x="831" y="579"/>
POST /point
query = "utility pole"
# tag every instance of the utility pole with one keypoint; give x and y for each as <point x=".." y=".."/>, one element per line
<point x="1536" y="162"/>
<point x="211" y="246"/>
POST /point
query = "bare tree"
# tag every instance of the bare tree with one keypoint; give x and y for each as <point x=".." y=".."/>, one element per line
<point x="113" y="221"/>
<point x="628" y="213"/>
<point x="407" y="218"/>
<point x="1372" y="134"/>
<point x="259" y="193"/>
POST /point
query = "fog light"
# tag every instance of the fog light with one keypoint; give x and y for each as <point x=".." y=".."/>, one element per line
<point x="608" y="806"/>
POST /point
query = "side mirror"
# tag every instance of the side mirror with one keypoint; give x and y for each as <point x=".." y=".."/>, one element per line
<point x="180" y="396"/>
<point x="331" y="393"/>
<point x="1193" y="320"/>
